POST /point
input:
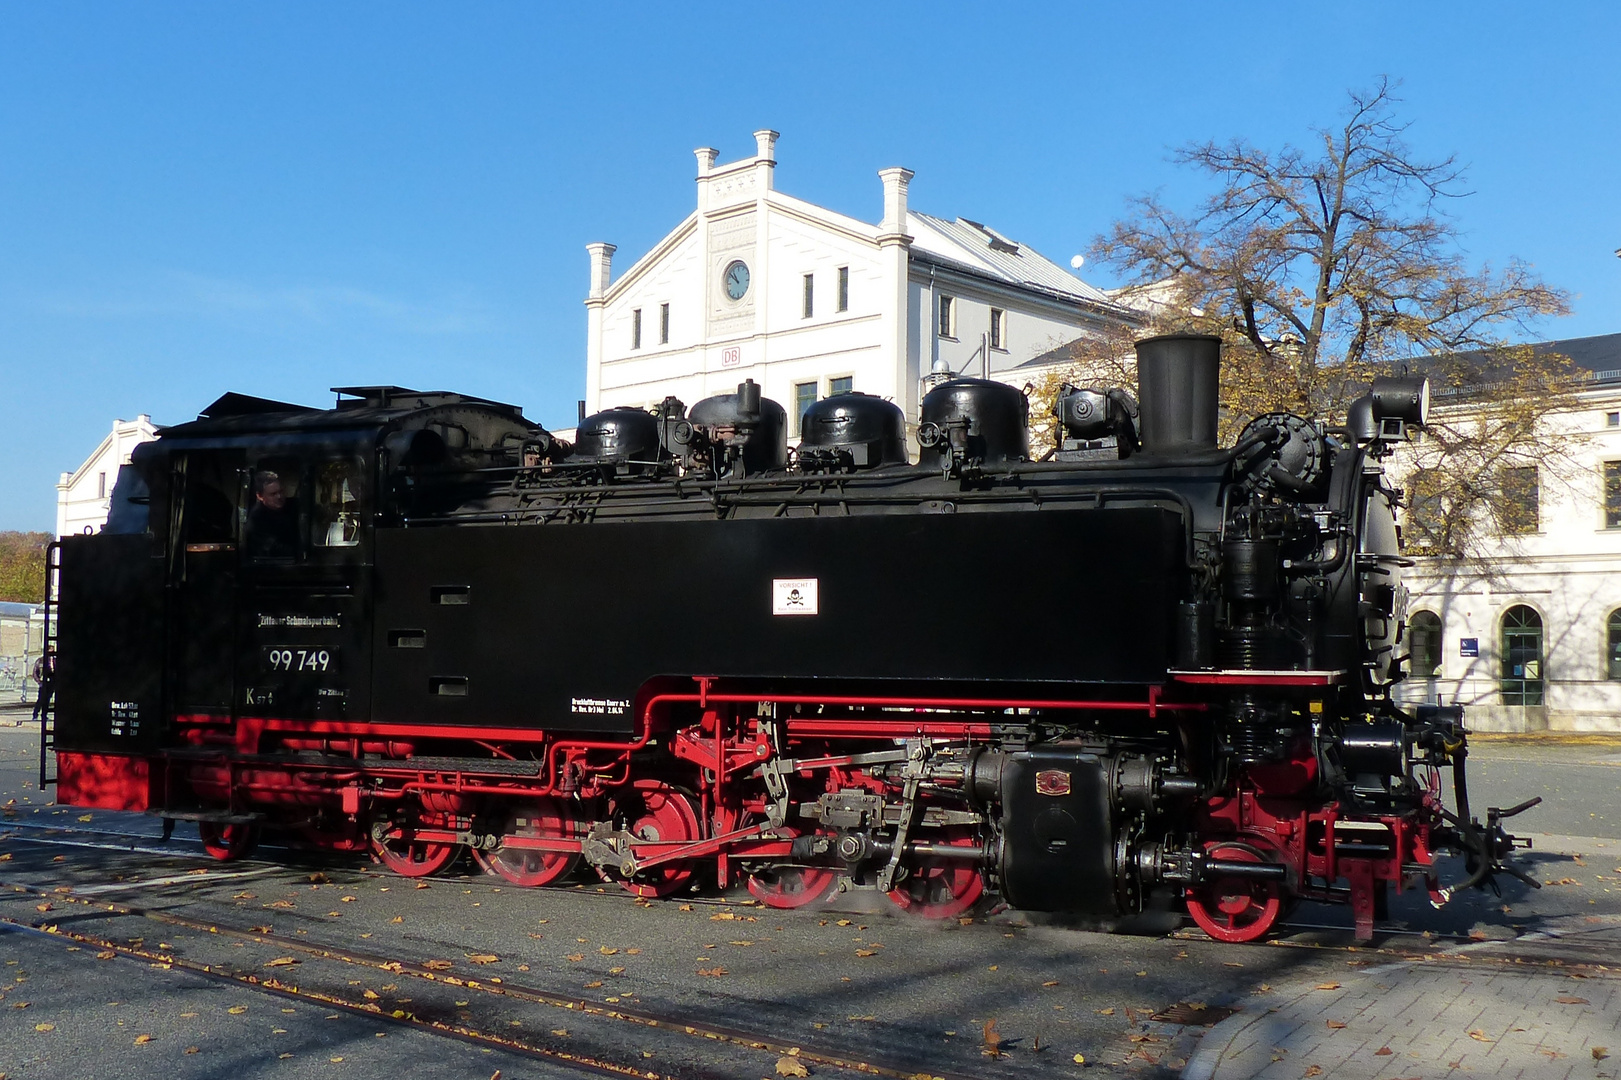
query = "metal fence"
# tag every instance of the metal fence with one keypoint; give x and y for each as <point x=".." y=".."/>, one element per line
<point x="21" y="633"/>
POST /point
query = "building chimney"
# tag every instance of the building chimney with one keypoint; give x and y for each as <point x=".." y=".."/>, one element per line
<point x="895" y="180"/>
<point x="765" y="158"/>
<point x="706" y="160"/>
<point x="602" y="257"/>
<point x="765" y="145"/>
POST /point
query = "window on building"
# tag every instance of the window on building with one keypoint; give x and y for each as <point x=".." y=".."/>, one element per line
<point x="810" y="295"/>
<point x="1424" y="525"/>
<point x="636" y="328"/>
<point x="664" y="324"/>
<point x="1516" y="506"/>
<point x="1522" y="676"/>
<point x="804" y="398"/>
<point x="844" y="288"/>
<point x="1612" y="645"/>
<point x="842" y="385"/>
<point x="948" y="316"/>
<point x="1612" y="419"/>
<point x="1612" y="494"/>
<point x="1424" y="645"/>
<point x="998" y="328"/>
<point x="101" y="485"/>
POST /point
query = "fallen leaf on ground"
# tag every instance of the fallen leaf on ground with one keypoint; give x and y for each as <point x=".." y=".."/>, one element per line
<point x="866" y="952"/>
<point x="282" y="961"/>
<point x="560" y="1032"/>
<point x="1383" y="1051"/>
<point x="1050" y="982"/>
<point x="1572" y="1001"/>
<point x="347" y="899"/>
<point x="1480" y="1036"/>
<point x="992" y="1038"/>
<point x="192" y="1050"/>
<point x="106" y="954"/>
<point x="1079" y="1059"/>
<point x="52" y="1027"/>
<point x="787" y="1066"/>
<point x="484" y="958"/>
<point x="605" y="951"/>
<point x="1562" y="881"/>
<point x="437" y="965"/>
<point x="574" y="958"/>
<point x="1600" y="1053"/>
<point x="46" y="906"/>
<point x="1328" y="986"/>
<point x="714" y="972"/>
<point x="370" y="995"/>
<point x="1106" y="1012"/>
<point x="1336" y="1025"/>
<point x="423" y="885"/>
<point x="1313" y="1070"/>
<point x="237" y="1010"/>
<point x="142" y="1040"/>
<point x="593" y="985"/>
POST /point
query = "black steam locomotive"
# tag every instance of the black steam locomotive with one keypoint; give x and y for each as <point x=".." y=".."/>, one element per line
<point x="418" y="625"/>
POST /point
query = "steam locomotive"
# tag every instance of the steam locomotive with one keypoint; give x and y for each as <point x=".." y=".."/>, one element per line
<point x="417" y="625"/>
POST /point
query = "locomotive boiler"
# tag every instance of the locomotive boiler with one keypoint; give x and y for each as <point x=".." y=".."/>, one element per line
<point x="677" y="654"/>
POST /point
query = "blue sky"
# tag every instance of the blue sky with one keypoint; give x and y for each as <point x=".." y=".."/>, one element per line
<point x="279" y="198"/>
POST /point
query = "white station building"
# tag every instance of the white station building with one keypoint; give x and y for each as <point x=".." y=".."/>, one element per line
<point x="756" y="284"/>
<point x="1529" y="637"/>
<point x="84" y="496"/>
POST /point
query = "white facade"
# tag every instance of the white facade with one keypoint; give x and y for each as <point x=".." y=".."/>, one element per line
<point x="1567" y="572"/>
<point x="83" y="495"/>
<point x="826" y="298"/>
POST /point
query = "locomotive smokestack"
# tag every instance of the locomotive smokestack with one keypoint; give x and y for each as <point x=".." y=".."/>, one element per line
<point x="1177" y="382"/>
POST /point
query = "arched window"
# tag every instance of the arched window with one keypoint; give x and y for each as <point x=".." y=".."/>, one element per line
<point x="1613" y="646"/>
<point x="1424" y="644"/>
<point x="1522" y="656"/>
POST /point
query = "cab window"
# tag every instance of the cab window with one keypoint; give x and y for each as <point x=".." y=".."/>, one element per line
<point x="336" y="508"/>
<point x="275" y="510"/>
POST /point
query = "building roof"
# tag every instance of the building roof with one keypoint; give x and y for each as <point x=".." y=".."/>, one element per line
<point x="15" y="610"/>
<point x="1600" y="354"/>
<point x="984" y="251"/>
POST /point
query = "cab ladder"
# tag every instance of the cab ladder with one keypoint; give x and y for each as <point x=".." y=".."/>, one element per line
<point x="47" y="714"/>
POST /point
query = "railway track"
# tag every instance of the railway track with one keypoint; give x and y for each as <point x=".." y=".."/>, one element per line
<point x="763" y="1047"/>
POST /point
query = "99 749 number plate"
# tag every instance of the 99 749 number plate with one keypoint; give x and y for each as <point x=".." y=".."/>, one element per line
<point x="300" y="660"/>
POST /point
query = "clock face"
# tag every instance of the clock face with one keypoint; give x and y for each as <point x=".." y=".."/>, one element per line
<point x="737" y="279"/>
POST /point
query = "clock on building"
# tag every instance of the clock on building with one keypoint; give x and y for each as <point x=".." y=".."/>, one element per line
<point x="736" y="279"/>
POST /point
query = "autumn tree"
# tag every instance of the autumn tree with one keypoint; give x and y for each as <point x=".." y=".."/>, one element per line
<point x="1326" y="264"/>
<point x="22" y="566"/>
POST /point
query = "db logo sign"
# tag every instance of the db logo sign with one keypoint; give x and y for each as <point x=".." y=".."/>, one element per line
<point x="731" y="357"/>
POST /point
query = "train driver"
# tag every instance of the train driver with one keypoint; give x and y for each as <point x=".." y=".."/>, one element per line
<point x="272" y="523"/>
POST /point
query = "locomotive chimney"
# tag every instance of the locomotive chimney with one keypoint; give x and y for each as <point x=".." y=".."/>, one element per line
<point x="1177" y="382"/>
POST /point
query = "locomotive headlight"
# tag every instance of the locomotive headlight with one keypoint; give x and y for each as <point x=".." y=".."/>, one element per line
<point x="1404" y="398"/>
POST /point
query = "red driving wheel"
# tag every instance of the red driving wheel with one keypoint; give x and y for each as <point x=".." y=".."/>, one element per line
<point x="1235" y="909"/>
<point x="410" y="857"/>
<point x="786" y="886"/>
<point x="653" y="810"/>
<point x="530" y="867"/>
<point x="940" y="888"/>
<point x="227" y="841"/>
